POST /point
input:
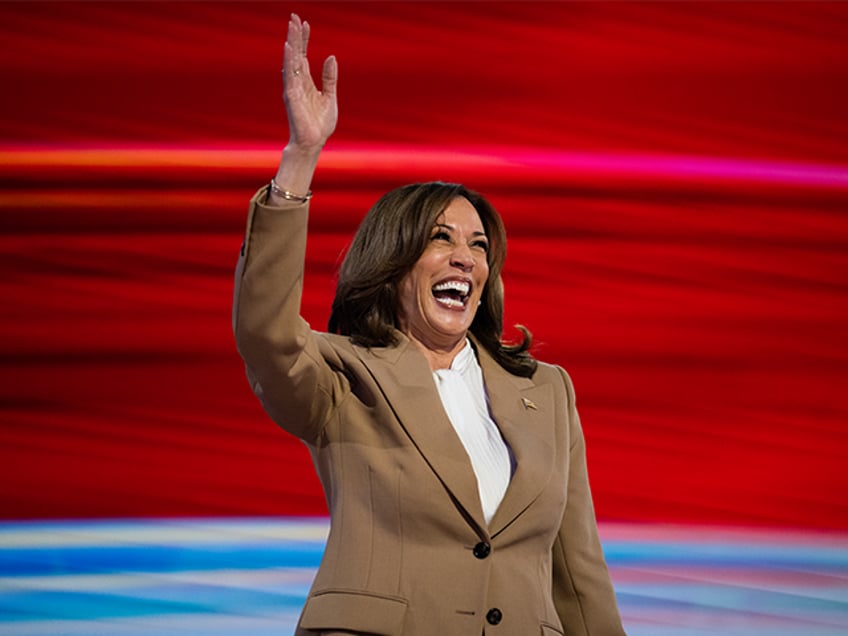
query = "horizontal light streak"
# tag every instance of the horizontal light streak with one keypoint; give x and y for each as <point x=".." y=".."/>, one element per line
<point x="173" y="532"/>
<point x="389" y="159"/>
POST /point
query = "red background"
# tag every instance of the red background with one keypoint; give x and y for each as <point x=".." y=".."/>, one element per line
<point x="673" y="177"/>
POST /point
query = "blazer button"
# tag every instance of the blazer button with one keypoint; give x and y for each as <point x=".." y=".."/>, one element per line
<point x="494" y="616"/>
<point x="482" y="550"/>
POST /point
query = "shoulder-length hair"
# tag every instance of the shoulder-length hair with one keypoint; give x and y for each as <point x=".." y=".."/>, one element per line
<point x="388" y="243"/>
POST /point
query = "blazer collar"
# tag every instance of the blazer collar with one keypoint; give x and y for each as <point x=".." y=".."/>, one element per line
<point x="522" y="410"/>
<point x="524" y="413"/>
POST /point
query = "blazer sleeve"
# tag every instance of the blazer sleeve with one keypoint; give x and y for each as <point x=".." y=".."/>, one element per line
<point x="582" y="589"/>
<point x="296" y="374"/>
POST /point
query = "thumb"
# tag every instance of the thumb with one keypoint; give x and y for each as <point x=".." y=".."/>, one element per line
<point x="330" y="76"/>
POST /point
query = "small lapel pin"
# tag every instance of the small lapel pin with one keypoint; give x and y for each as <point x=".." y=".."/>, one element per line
<point x="529" y="404"/>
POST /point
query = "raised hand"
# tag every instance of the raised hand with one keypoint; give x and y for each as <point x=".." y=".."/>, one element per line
<point x="312" y="113"/>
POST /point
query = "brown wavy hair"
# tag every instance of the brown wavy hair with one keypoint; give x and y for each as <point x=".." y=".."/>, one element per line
<point x="388" y="243"/>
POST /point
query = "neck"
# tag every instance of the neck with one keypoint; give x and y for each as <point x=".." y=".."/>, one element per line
<point x="440" y="357"/>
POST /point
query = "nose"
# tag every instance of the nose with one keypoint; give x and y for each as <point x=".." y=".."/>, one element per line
<point x="462" y="258"/>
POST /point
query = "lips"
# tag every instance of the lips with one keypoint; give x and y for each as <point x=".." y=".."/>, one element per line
<point x="452" y="293"/>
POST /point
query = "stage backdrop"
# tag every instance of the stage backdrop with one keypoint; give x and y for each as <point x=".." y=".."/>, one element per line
<point x="673" y="177"/>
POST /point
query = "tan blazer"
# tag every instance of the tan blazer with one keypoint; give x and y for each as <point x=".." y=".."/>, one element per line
<point x="409" y="551"/>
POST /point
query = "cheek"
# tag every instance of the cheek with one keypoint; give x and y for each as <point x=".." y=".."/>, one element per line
<point x="484" y="275"/>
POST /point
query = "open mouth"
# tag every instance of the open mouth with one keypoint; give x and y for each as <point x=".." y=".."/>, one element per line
<point x="452" y="293"/>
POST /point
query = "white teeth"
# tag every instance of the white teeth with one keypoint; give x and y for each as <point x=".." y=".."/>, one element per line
<point x="456" y="285"/>
<point x="452" y="302"/>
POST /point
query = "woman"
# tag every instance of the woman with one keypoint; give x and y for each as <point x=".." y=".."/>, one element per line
<point x="453" y="466"/>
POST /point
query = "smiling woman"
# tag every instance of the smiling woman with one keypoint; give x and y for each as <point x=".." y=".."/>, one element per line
<point x="453" y="464"/>
<point x="417" y="238"/>
<point x="440" y="294"/>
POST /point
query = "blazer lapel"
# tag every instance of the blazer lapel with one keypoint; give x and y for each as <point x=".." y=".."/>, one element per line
<point x="524" y="413"/>
<point x="406" y="381"/>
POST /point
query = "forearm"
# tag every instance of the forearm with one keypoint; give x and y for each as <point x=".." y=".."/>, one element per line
<point x="269" y="275"/>
<point x="311" y="113"/>
<point x="271" y="337"/>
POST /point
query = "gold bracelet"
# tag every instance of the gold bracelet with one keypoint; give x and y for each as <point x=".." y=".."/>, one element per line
<point x="289" y="196"/>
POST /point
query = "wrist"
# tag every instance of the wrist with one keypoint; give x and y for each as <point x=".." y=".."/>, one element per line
<point x="303" y="152"/>
<point x="277" y="192"/>
<point x="297" y="166"/>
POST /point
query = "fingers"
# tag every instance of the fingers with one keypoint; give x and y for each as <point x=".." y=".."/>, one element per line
<point x="305" y="31"/>
<point x="294" y="51"/>
<point x="295" y="62"/>
<point x="294" y="37"/>
<point x="298" y="35"/>
<point x="288" y="52"/>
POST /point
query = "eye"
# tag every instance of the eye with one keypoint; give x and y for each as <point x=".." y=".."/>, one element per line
<point x="481" y="244"/>
<point x="440" y="235"/>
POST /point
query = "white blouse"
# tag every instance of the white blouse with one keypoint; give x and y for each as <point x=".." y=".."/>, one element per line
<point x="464" y="398"/>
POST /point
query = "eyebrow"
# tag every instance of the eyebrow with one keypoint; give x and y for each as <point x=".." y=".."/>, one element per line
<point x="451" y="228"/>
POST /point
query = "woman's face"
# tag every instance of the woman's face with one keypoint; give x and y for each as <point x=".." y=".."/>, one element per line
<point x="440" y="294"/>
